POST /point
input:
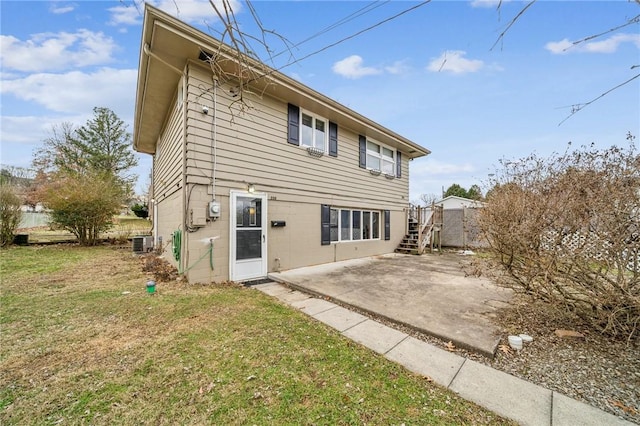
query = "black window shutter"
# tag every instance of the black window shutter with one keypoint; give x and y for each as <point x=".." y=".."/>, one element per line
<point x="325" y="230"/>
<point x="398" y="164"/>
<point x="363" y="152"/>
<point x="387" y="225"/>
<point x="293" y="125"/>
<point x="333" y="139"/>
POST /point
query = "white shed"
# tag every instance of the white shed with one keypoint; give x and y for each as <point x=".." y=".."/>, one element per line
<point x="455" y="202"/>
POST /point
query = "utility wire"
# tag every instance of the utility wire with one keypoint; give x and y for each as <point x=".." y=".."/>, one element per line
<point x="576" y="108"/>
<point x="342" y="40"/>
<point x="360" y="12"/>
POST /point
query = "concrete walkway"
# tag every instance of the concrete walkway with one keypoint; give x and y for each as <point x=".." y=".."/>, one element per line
<point x="506" y="395"/>
<point x="429" y="293"/>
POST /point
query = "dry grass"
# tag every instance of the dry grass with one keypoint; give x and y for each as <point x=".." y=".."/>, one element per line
<point x="82" y="342"/>
<point x="124" y="227"/>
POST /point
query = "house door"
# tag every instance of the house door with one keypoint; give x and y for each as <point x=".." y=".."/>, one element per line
<point x="248" y="257"/>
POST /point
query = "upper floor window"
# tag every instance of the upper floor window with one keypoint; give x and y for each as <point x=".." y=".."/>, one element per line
<point x="379" y="157"/>
<point x="375" y="156"/>
<point x="313" y="131"/>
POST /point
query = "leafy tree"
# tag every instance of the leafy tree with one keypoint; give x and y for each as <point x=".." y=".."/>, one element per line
<point x="140" y="210"/>
<point x="456" y="190"/>
<point x="106" y="139"/>
<point x="10" y="213"/>
<point x="474" y="193"/>
<point x="83" y="204"/>
<point x="5" y="176"/>
<point x="102" y="145"/>
<point x="84" y="174"/>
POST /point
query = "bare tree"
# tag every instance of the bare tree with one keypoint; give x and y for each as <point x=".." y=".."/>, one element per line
<point x="567" y="230"/>
<point x="428" y="199"/>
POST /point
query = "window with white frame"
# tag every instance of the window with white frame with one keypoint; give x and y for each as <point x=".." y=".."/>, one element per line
<point x="379" y="157"/>
<point x="354" y="225"/>
<point x="313" y="131"/>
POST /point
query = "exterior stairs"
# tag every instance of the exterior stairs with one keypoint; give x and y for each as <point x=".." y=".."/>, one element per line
<point x="410" y="242"/>
<point x="424" y="226"/>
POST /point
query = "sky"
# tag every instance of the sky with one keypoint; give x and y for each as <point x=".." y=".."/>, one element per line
<point x="438" y="74"/>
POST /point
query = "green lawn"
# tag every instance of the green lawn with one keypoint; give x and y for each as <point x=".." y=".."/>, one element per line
<point x="83" y="343"/>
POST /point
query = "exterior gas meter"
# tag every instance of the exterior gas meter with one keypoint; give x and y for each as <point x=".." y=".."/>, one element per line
<point x="214" y="209"/>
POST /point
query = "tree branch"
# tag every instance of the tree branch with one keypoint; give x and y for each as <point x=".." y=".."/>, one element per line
<point x="513" y="21"/>
<point x="579" y="107"/>
<point x="634" y="20"/>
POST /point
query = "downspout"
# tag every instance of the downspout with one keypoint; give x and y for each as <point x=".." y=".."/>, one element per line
<point x="214" y="136"/>
<point x="148" y="52"/>
<point x="154" y="207"/>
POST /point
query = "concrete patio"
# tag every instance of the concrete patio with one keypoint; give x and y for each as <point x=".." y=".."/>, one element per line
<point x="430" y="293"/>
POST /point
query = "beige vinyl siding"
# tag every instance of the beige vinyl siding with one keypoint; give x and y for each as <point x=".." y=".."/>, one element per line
<point x="198" y="242"/>
<point x="167" y="169"/>
<point x="253" y="147"/>
<point x="169" y="219"/>
<point x="167" y="178"/>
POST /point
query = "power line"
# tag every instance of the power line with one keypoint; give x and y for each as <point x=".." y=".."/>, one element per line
<point x="360" y="12"/>
<point x="342" y="40"/>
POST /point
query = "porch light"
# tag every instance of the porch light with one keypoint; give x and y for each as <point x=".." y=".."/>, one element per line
<point x="251" y="188"/>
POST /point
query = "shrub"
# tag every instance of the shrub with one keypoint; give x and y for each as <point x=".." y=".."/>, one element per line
<point x="10" y="214"/>
<point x="567" y="229"/>
<point x="83" y="204"/>
<point x="140" y="210"/>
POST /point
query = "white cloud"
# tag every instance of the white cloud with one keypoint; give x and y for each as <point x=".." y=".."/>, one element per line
<point x="487" y="3"/>
<point x="56" y="51"/>
<point x="398" y="67"/>
<point x="609" y="45"/>
<point x="432" y="176"/>
<point x="125" y="15"/>
<point x="21" y="135"/>
<point x="24" y="130"/>
<point x="433" y="167"/>
<point x="77" y="92"/>
<point x="558" y="47"/>
<point x="454" y="61"/>
<point x="60" y="10"/>
<point x="351" y="67"/>
<point x="192" y="11"/>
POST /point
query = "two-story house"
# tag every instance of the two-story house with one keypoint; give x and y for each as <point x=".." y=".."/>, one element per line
<point x="291" y="179"/>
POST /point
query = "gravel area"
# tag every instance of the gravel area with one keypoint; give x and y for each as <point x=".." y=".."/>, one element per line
<point x="594" y="370"/>
<point x="597" y="370"/>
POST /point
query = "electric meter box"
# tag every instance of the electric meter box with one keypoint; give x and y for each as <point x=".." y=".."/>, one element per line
<point x="214" y="209"/>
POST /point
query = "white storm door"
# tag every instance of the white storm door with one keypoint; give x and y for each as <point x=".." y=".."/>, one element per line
<point x="248" y="257"/>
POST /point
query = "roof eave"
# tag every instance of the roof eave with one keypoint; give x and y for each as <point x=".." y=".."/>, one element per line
<point x="159" y="81"/>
